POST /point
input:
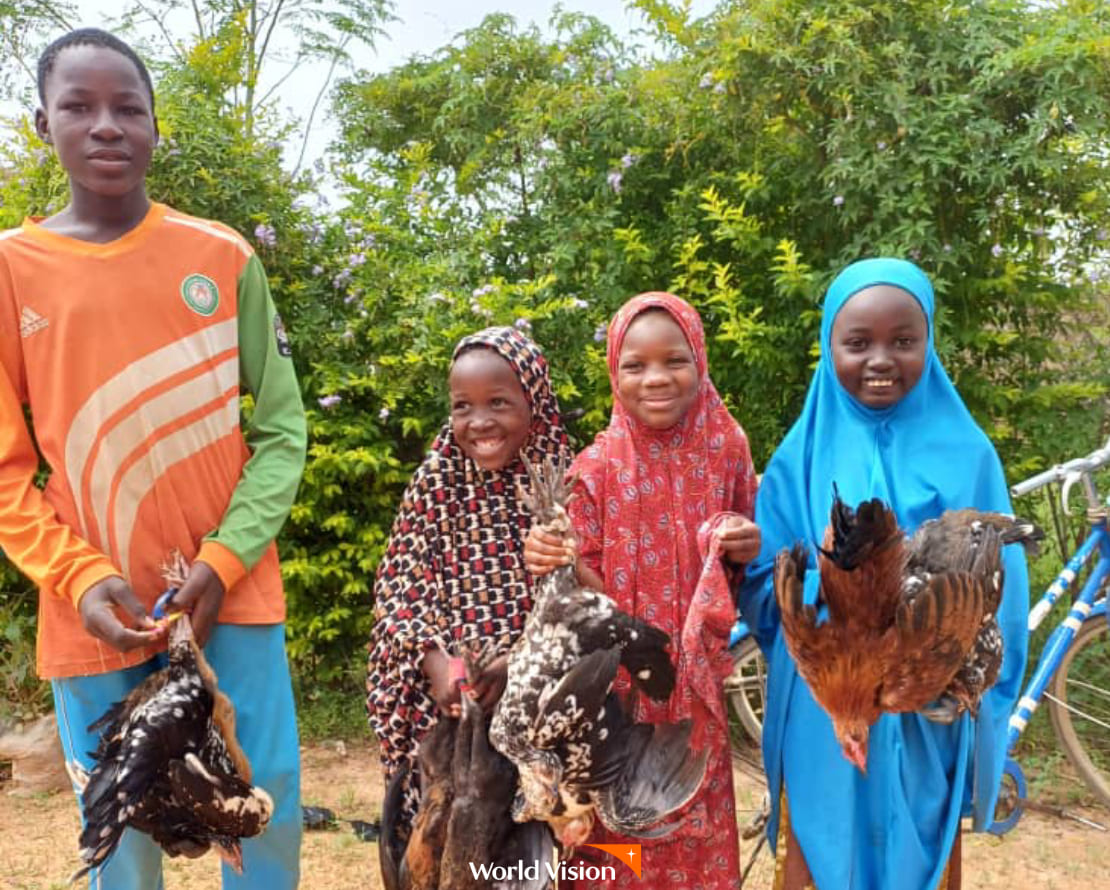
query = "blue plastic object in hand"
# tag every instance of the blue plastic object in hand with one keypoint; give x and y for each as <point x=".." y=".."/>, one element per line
<point x="159" y="610"/>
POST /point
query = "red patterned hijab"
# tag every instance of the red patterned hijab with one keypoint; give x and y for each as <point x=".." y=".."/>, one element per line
<point x="648" y="491"/>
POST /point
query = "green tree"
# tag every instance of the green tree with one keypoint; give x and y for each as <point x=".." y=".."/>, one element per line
<point x="774" y="142"/>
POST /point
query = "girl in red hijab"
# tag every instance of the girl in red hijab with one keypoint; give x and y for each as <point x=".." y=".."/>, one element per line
<point x="672" y="467"/>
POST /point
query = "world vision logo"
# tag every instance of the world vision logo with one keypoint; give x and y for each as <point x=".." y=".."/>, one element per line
<point x="562" y="872"/>
<point x="629" y="854"/>
<point x="200" y="294"/>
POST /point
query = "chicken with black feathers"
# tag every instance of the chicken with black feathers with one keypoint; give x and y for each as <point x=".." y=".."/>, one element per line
<point x="578" y="754"/>
<point x="168" y="764"/>
<point x="466" y="793"/>
<point x="911" y="621"/>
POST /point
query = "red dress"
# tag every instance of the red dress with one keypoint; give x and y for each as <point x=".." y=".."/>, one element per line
<point x="642" y="497"/>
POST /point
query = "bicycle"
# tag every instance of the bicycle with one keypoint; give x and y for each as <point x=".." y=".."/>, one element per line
<point x="746" y="687"/>
<point x="1073" y="671"/>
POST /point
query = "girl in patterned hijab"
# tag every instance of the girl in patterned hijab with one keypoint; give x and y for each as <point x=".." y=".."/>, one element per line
<point x="453" y="571"/>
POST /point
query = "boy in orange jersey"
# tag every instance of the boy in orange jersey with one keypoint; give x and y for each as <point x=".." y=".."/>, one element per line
<point x="128" y="328"/>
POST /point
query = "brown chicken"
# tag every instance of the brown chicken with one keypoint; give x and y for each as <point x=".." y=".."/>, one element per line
<point x="465" y="814"/>
<point x="904" y="617"/>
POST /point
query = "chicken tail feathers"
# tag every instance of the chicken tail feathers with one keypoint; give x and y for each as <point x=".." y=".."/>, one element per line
<point x="799" y="620"/>
<point x="111" y="795"/>
<point x="1024" y="532"/>
<point x="391" y="849"/>
<point x="647" y="660"/>
<point x="98" y="842"/>
<point x="859" y="533"/>
<point x="530" y="842"/>
<point x="656" y="784"/>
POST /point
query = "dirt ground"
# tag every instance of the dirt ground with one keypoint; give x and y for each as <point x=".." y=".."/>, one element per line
<point x="38" y="839"/>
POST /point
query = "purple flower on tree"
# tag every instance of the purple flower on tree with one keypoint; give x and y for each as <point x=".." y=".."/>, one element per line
<point x="329" y="401"/>
<point x="996" y="250"/>
<point x="838" y="201"/>
<point x="265" y="235"/>
<point x="523" y="324"/>
<point x="614" y="178"/>
<point x="601" y="332"/>
<point x="383" y="415"/>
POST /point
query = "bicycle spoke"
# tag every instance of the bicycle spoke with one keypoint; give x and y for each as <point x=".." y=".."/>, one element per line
<point x="1090" y="687"/>
<point x="1078" y="712"/>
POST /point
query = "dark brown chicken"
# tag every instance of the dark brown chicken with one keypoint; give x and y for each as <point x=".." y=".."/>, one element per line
<point x="953" y="540"/>
<point x="466" y="794"/>
<point x="909" y="621"/>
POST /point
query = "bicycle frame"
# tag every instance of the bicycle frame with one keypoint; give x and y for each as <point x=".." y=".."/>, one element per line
<point x="1084" y="607"/>
<point x="739" y="632"/>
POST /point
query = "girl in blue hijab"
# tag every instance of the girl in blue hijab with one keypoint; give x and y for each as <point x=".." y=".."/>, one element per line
<point x="881" y="419"/>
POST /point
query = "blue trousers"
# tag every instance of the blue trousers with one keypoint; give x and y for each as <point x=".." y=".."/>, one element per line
<point x="251" y="667"/>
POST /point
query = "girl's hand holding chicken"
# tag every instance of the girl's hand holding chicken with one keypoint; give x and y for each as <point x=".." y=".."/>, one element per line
<point x="544" y="552"/>
<point x="446" y="682"/>
<point x="488" y="686"/>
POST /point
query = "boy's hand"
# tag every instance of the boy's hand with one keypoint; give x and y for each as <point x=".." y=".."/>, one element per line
<point x="444" y="690"/>
<point x="201" y="595"/>
<point x="98" y="613"/>
<point x="740" y="539"/>
<point x="489" y="686"/>
<point x="543" y="552"/>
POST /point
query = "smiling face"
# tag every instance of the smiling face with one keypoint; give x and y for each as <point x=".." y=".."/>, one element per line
<point x="490" y="414"/>
<point x="657" y="376"/>
<point x="98" y="116"/>
<point x="879" y="343"/>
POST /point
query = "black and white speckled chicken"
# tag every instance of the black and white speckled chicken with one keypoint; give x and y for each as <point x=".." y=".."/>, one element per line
<point x="558" y="720"/>
<point x="952" y="542"/>
<point x="168" y="764"/>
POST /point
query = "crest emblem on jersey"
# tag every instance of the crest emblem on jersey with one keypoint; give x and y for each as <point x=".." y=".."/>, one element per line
<point x="200" y="293"/>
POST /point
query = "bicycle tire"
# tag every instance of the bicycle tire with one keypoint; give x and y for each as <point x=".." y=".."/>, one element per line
<point x="746" y="687"/>
<point x="1080" y="694"/>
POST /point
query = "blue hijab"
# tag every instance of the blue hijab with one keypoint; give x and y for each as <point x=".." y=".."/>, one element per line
<point x="894" y="827"/>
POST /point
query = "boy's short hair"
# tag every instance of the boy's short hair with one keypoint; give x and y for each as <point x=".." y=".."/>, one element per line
<point x="89" y="37"/>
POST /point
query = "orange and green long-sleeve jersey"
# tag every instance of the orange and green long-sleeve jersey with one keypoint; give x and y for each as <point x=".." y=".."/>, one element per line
<point x="131" y="356"/>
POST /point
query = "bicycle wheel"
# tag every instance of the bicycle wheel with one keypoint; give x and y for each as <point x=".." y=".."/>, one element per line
<point x="1079" y="705"/>
<point x="746" y="687"/>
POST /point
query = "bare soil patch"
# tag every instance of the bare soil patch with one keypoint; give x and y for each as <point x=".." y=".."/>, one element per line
<point x="38" y="838"/>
